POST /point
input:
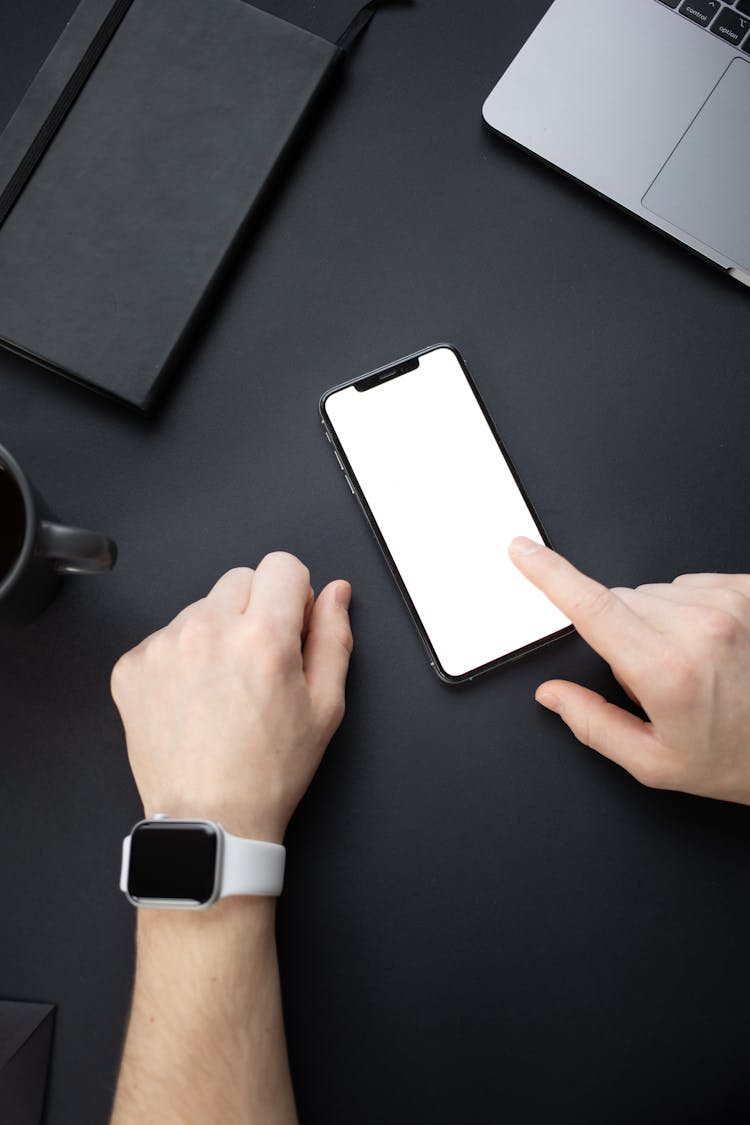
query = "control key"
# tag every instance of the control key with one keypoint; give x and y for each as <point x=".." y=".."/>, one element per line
<point x="700" y="11"/>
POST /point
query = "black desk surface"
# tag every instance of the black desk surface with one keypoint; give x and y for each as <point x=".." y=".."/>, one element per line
<point x="483" y="921"/>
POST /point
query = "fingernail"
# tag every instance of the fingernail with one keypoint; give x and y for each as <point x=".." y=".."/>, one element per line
<point x="343" y="594"/>
<point x="549" y="700"/>
<point x="523" y="546"/>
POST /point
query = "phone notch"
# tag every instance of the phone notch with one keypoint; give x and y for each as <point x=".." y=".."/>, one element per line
<point x="389" y="373"/>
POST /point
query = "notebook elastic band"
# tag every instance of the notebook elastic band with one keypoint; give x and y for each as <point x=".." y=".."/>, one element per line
<point x="61" y="106"/>
<point x="351" y="34"/>
<point x="66" y="98"/>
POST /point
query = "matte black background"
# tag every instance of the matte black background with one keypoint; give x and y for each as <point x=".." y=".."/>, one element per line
<point x="482" y="921"/>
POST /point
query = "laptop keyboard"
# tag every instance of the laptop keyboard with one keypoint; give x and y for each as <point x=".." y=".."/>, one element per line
<point x="730" y="21"/>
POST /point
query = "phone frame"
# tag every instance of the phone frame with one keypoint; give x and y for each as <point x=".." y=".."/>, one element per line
<point x="383" y="374"/>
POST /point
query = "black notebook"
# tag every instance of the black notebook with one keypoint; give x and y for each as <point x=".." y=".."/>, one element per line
<point x="131" y="167"/>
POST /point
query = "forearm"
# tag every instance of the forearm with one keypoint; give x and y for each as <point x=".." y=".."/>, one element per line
<point x="227" y="712"/>
<point x="205" y="1042"/>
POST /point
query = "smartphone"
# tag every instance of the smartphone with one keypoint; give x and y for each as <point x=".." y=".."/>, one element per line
<point x="422" y="456"/>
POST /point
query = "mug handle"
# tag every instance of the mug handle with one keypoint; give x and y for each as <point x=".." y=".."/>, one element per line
<point x="75" y="551"/>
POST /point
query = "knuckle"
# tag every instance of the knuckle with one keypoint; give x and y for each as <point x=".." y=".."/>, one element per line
<point x="286" y="559"/>
<point x="584" y="732"/>
<point x="197" y="632"/>
<point x="737" y="583"/>
<point x="337" y="710"/>
<point x="334" y="633"/>
<point x="153" y="650"/>
<point x="345" y="638"/>
<point x="596" y="601"/>
<point x="733" y="601"/>
<point x="585" y="727"/>
<point x="716" y="625"/>
<point x="652" y="772"/>
<point x="331" y="711"/>
<point x="119" y="677"/>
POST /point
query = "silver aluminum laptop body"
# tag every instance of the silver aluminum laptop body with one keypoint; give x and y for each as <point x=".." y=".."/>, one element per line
<point x="648" y="107"/>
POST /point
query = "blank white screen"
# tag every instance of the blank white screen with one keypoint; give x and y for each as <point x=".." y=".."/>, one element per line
<point x="447" y="507"/>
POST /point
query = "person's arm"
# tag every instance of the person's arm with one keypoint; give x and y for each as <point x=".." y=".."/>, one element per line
<point x="206" y="1036"/>
<point x="227" y="712"/>
<point x="681" y="651"/>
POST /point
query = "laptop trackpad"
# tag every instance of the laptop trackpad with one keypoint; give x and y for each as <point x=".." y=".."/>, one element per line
<point x="704" y="186"/>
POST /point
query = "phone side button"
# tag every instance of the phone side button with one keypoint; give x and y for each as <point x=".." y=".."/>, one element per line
<point x="346" y="478"/>
<point x="362" y="510"/>
<point x="335" y="454"/>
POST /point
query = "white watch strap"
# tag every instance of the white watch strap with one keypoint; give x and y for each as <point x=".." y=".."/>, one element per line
<point x="125" y="864"/>
<point x="251" y="867"/>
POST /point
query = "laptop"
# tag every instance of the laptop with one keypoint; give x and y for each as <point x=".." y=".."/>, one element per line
<point x="648" y="103"/>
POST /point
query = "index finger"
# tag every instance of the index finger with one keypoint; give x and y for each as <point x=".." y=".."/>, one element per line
<point x="602" y="619"/>
<point x="280" y="593"/>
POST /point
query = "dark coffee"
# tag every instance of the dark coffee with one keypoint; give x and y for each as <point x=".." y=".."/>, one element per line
<point x="12" y="521"/>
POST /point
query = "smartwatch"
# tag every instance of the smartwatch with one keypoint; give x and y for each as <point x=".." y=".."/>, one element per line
<point x="191" y="864"/>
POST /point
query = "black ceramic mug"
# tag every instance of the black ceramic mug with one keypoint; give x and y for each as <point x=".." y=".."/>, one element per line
<point x="35" y="550"/>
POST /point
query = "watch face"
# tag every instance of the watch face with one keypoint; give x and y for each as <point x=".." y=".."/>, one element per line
<point x="173" y="861"/>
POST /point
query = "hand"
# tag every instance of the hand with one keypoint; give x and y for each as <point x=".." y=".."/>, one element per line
<point x="681" y="651"/>
<point x="228" y="710"/>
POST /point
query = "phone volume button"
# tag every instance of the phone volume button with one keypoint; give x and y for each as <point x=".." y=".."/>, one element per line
<point x="346" y="478"/>
<point x="339" y="460"/>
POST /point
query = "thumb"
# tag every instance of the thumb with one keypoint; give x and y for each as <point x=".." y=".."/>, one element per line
<point x="327" y="649"/>
<point x="614" y="733"/>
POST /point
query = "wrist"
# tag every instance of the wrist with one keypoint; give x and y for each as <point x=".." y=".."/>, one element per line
<point x="242" y="917"/>
<point x="251" y="824"/>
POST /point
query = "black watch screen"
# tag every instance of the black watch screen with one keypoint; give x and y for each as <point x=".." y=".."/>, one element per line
<point x="173" y="861"/>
